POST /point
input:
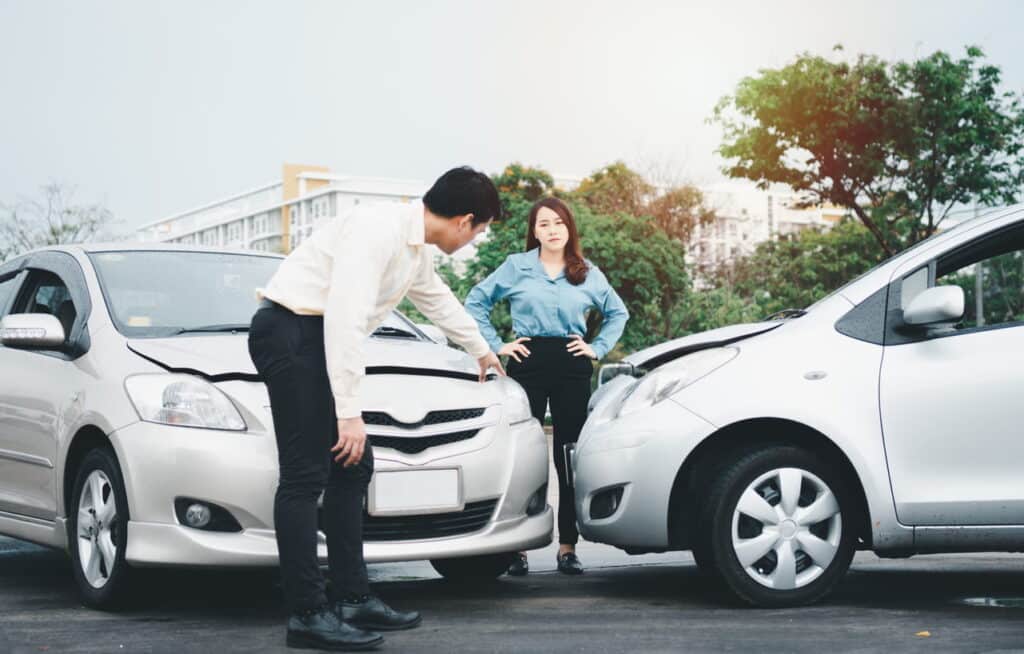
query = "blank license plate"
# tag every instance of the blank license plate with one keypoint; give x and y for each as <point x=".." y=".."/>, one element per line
<point x="415" y="491"/>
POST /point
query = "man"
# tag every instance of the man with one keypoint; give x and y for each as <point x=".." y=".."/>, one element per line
<point x="307" y="341"/>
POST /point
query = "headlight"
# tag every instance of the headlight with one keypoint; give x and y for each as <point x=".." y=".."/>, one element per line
<point x="183" y="401"/>
<point x="662" y="382"/>
<point x="517" y="404"/>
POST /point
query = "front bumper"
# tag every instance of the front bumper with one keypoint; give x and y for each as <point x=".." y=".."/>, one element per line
<point x="642" y="454"/>
<point x="238" y="471"/>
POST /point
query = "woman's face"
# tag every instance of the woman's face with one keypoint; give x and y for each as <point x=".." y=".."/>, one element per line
<point x="550" y="230"/>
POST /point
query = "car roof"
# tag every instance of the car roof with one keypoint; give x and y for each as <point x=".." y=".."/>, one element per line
<point x="135" y="246"/>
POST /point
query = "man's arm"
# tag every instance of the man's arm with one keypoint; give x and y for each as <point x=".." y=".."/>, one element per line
<point x="436" y="301"/>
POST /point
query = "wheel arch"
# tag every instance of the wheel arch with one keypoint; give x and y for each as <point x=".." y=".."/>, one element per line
<point x="86" y="439"/>
<point x="700" y="465"/>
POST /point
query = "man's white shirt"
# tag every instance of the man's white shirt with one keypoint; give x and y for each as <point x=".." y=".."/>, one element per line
<point x="354" y="271"/>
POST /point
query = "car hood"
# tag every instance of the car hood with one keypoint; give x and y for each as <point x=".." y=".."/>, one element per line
<point x="656" y="355"/>
<point x="222" y="357"/>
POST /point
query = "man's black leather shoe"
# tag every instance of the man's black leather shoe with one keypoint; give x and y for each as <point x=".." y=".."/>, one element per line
<point x="569" y="564"/>
<point x="520" y="566"/>
<point x="320" y="628"/>
<point x="370" y="612"/>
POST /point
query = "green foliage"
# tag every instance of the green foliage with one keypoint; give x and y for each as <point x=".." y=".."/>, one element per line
<point x="898" y="144"/>
<point x="798" y="270"/>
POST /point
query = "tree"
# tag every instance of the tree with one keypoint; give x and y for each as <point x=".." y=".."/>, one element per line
<point x="616" y="189"/>
<point x="897" y="144"/>
<point x="647" y="269"/>
<point x="797" y="270"/>
<point x="51" y="220"/>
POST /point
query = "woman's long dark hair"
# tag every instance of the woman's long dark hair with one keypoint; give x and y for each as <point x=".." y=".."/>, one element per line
<point x="575" y="266"/>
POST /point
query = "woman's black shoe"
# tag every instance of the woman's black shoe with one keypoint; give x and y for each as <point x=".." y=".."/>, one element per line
<point x="520" y="566"/>
<point x="569" y="564"/>
<point x="320" y="628"/>
<point x="370" y="612"/>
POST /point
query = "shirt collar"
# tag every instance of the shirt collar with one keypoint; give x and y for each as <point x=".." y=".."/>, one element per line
<point x="415" y="233"/>
<point x="533" y="261"/>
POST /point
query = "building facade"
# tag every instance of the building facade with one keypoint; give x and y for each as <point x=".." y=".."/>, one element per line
<point x="277" y="216"/>
<point x="748" y="216"/>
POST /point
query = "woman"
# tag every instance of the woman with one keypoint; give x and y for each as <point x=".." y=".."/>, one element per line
<point x="550" y="288"/>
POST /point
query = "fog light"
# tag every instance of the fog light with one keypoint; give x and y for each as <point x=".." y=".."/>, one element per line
<point x="606" y="503"/>
<point x="538" y="501"/>
<point x="198" y="515"/>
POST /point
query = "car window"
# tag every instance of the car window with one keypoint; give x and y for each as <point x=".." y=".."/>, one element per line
<point x="47" y="293"/>
<point x="992" y="277"/>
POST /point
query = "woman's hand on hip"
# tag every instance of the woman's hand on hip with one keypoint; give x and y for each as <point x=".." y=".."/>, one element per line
<point x="515" y="349"/>
<point x="351" y="441"/>
<point x="580" y="348"/>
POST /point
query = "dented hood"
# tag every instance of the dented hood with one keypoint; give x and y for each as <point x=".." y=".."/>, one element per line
<point x="665" y="352"/>
<point x="226" y="356"/>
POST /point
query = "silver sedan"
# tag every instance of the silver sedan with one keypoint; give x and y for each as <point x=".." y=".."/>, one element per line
<point x="135" y="432"/>
<point x="887" y="417"/>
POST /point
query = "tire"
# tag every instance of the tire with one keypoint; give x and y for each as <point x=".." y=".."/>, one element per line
<point x="474" y="568"/>
<point x="97" y="531"/>
<point x="788" y="543"/>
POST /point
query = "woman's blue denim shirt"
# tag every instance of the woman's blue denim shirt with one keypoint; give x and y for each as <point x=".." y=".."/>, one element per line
<point x="545" y="306"/>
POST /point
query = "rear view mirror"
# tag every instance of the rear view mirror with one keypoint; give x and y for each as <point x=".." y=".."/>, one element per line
<point x="935" y="306"/>
<point x="32" y="330"/>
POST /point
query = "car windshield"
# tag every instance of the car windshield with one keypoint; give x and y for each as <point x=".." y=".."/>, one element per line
<point x="157" y="293"/>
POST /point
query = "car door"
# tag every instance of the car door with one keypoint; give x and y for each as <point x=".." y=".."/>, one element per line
<point x="11" y="279"/>
<point x="37" y="391"/>
<point x="952" y="400"/>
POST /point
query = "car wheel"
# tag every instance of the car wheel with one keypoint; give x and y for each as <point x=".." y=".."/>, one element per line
<point x="474" y="568"/>
<point x="776" y="527"/>
<point x="97" y="530"/>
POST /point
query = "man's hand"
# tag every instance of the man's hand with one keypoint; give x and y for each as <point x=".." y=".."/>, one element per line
<point x="490" y="360"/>
<point x="351" y="441"/>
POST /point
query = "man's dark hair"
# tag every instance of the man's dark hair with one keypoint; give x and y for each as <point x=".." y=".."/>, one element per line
<point x="461" y="191"/>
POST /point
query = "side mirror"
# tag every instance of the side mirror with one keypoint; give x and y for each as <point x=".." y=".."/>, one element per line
<point x="935" y="306"/>
<point x="434" y="333"/>
<point x="32" y="331"/>
<point x="610" y="371"/>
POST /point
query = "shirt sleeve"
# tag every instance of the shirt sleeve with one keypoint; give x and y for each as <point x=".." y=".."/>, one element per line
<point x="360" y="254"/>
<point x="485" y="295"/>
<point x="615" y="315"/>
<point x="436" y="301"/>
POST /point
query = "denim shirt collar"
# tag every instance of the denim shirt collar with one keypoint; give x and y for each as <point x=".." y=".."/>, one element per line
<point x="531" y="261"/>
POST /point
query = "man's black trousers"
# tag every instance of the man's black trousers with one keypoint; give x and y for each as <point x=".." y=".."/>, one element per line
<point x="288" y="351"/>
<point x="552" y="373"/>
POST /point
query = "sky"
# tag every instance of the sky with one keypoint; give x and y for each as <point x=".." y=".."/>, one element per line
<point x="152" y="107"/>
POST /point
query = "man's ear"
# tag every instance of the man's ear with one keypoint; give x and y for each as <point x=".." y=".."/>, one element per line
<point x="466" y="222"/>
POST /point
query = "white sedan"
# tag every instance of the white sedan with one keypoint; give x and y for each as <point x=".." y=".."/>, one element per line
<point x="888" y="416"/>
<point x="134" y="430"/>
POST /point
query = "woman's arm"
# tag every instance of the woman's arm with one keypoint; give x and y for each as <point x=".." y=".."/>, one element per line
<point x="615" y="315"/>
<point x="485" y="295"/>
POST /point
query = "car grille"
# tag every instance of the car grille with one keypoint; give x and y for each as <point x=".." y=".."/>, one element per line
<point x="415" y="445"/>
<point x="474" y="517"/>
<point x="432" y="418"/>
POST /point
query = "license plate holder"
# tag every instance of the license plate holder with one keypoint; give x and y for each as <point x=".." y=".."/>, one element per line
<point x="415" y="492"/>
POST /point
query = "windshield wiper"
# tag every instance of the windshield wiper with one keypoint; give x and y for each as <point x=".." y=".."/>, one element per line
<point x="786" y="314"/>
<point x="238" y="327"/>
<point x="395" y="332"/>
